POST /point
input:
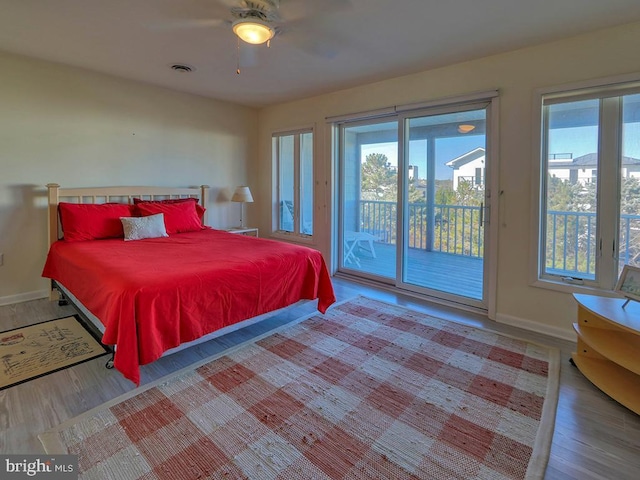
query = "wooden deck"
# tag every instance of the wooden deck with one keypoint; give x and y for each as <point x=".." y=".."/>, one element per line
<point x="445" y="272"/>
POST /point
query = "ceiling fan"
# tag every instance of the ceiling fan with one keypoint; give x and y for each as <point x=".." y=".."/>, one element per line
<point x="256" y="22"/>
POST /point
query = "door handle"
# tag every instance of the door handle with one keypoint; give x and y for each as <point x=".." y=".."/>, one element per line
<point x="481" y="214"/>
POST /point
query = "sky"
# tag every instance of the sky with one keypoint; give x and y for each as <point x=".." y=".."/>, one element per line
<point x="446" y="149"/>
<point x="577" y="141"/>
<point x="582" y="140"/>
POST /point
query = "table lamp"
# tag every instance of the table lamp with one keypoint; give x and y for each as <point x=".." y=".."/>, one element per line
<point x="242" y="195"/>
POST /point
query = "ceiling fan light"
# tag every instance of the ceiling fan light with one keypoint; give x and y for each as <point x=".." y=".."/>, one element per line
<point x="253" y="31"/>
<point x="466" y="128"/>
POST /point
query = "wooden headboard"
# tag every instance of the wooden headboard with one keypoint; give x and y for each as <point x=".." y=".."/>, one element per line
<point x="113" y="194"/>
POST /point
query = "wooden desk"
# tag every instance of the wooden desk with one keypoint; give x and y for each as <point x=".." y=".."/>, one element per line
<point x="608" y="352"/>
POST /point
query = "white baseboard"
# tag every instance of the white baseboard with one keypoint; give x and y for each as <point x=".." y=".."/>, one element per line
<point x="24" y="297"/>
<point x="557" y="332"/>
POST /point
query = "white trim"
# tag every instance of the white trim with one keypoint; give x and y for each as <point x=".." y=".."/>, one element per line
<point x="550" y="330"/>
<point x="292" y="237"/>
<point x="609" y="138"/>
<point x="407" y="107"/>
<point x="487" y="100"/>
<point x="366" y="115"/>
<point x="492" y="148"/>
<point x="609" y="202"/>
<point x="24" y="297"/>
<point x="536" y="185"/>
<point x="591" y="88"/>
<point x="447" y="101"/>
<point x="490" y="104"/>
<point x="571" y="288"/>
<point x="308" y="128"/>
<point x="276" y="219"/>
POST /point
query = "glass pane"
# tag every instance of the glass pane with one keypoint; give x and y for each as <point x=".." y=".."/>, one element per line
<point x="629" y="235"/>
<point x="370" y="192"/>
<point x="571" y="188"/>
<point x="444" y="246"/>
<point x="306" y="183"/>
<point x="286" y="181"/>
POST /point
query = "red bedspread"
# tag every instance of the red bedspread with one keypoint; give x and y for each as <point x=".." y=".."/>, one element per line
<point x="155" y="294"/>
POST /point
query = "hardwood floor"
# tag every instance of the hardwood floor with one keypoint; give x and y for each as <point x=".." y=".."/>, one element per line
<point x="594" y="438"/>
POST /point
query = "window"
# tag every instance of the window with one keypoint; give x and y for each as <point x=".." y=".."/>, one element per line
<point x="293" y="159"/>
<point x="589" y="224"/>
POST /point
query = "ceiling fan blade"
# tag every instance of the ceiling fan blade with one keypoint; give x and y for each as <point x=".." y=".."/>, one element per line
<point x="187" y="23"/>
<point x="325" y="49"/>
<point x="291" y="10"/>
<point x="232" y="3"/>
<point x="248" y="55"/>
<point x="314" y="37"/>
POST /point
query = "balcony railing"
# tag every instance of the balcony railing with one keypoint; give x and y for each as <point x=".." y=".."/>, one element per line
<point x="571" y="242"/>
<point x="476" y="181"/>
<point x="456" y="229"/>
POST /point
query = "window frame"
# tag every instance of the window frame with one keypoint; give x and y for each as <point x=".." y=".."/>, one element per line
<point x="298" y="171"/>
<point x="609" y="91"/>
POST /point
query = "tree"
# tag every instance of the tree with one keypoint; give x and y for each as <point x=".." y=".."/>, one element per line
<point x="445" y="194"/>
<point x="468" y="195"/>
<point x="417" y="190"/>
<point x="379" y="180"/>
<point x="630" y="196"/>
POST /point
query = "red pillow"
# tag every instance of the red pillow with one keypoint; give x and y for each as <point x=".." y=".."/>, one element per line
<point x="178" y="216"/>
<point x="199" y="208"/>
<point x="90" y="221"/>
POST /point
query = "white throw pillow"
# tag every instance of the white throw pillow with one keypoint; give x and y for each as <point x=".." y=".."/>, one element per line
<point x="137" y="228"/>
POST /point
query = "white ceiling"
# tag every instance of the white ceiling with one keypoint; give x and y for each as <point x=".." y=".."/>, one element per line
<point x="326" y="45"/>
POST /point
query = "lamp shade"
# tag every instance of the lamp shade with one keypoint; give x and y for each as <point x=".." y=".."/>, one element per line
<point x="242" y="194"/>
<point x="253" y="31"/>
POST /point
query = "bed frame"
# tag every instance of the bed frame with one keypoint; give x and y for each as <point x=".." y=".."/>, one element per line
<point x="113" y="194"/>
<point x="125" y="195"/>
<point x="56" y="194"/>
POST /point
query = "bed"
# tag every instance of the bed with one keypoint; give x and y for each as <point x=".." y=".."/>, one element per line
<point x="176" y="284"/>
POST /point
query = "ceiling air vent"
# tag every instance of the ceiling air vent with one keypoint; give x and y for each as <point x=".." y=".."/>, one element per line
<point x="179" y="67"/>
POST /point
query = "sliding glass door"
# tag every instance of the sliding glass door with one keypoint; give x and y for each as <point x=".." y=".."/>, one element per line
<point x="443" y="203"/>
<point x="369" y="188"/>
<point x="413" y="208"/>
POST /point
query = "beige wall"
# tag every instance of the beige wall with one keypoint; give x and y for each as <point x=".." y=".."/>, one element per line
<point x="78" y="128"/>
<point x="516" y="74"/>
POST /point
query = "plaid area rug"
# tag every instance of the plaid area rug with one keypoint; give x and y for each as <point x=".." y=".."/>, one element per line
<point x="369" y="390"/>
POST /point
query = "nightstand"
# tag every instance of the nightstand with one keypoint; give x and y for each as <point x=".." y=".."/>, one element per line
<point x="248" y="231"/>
